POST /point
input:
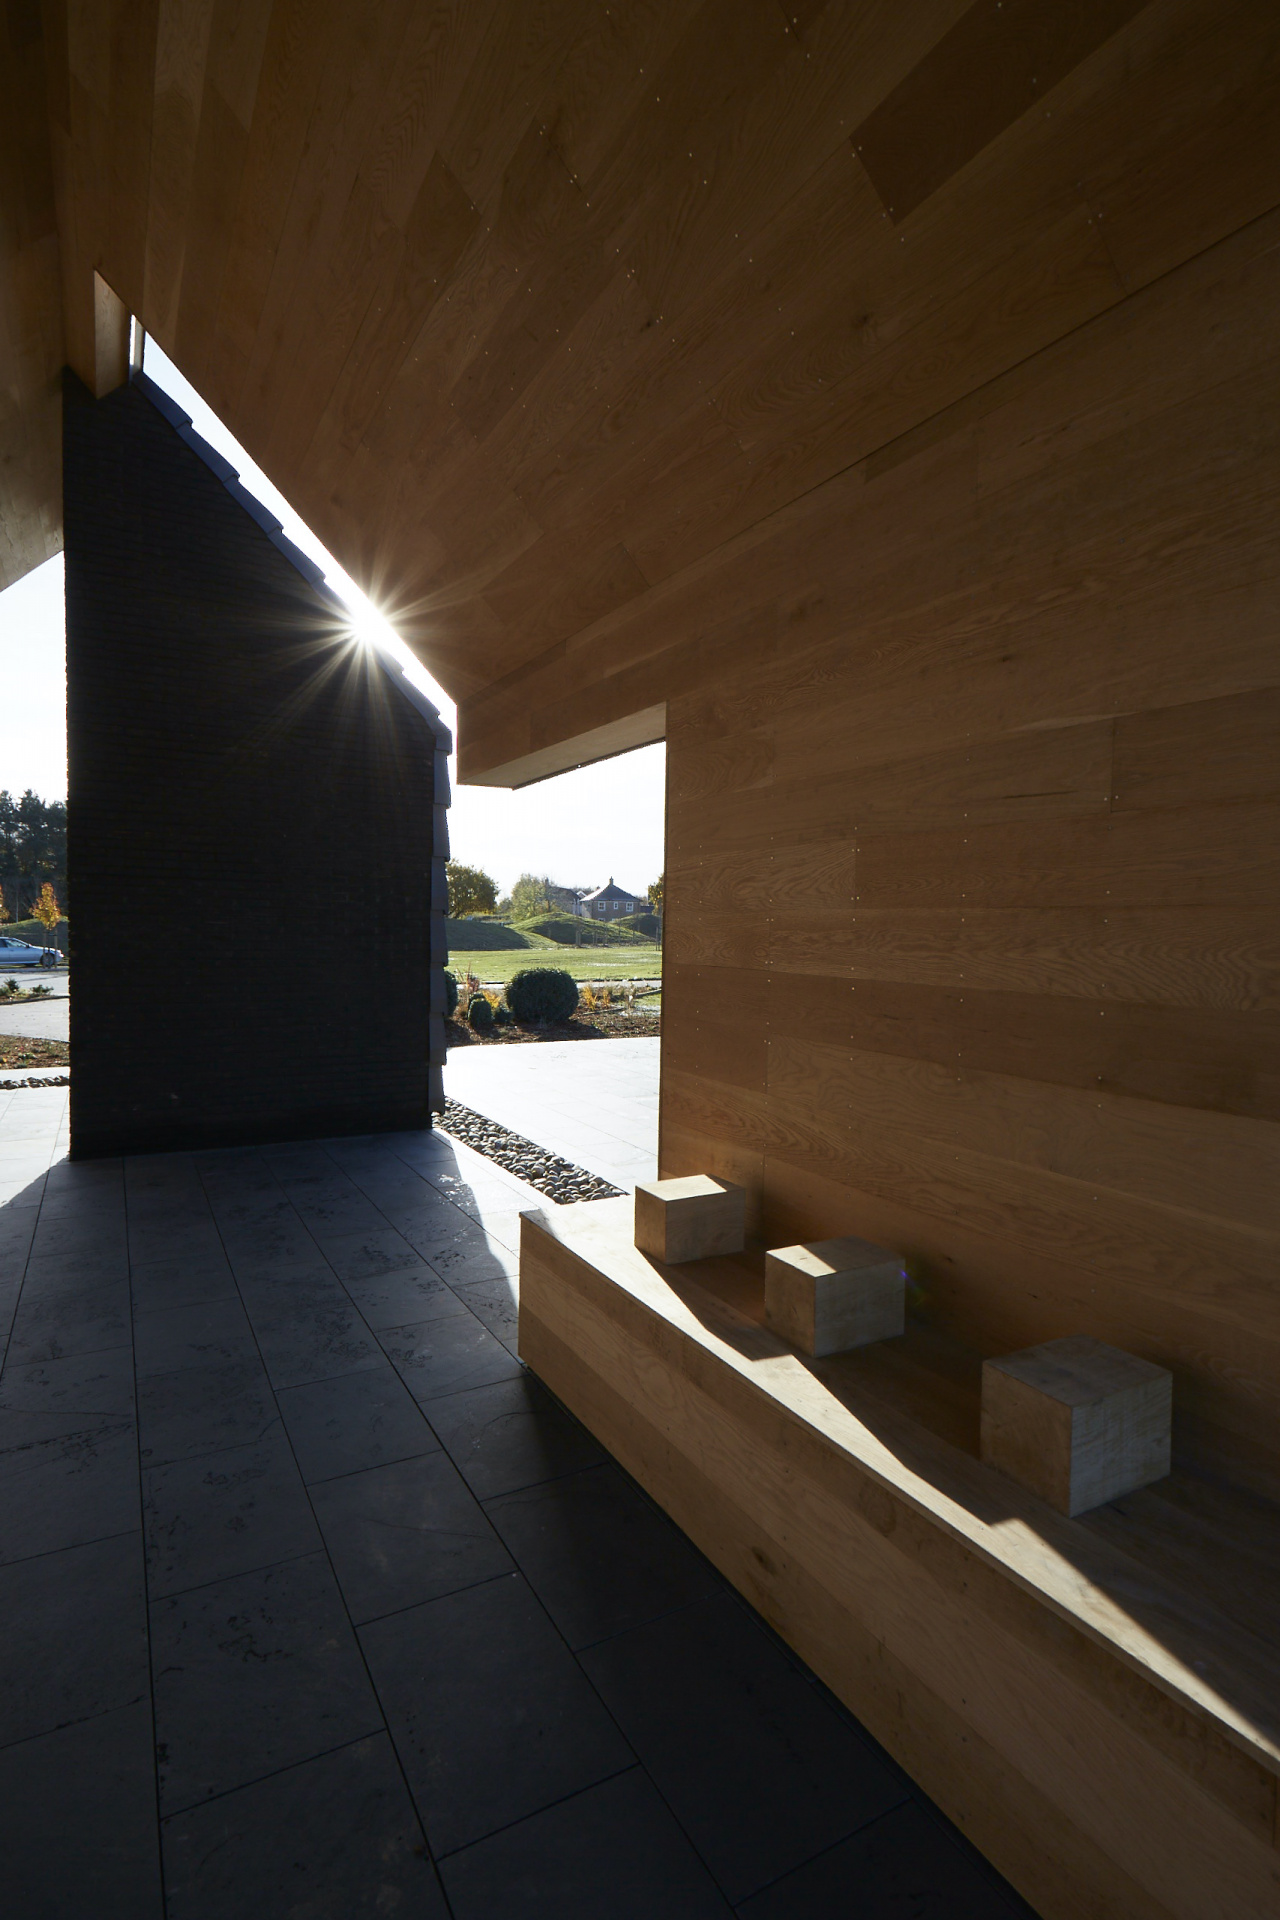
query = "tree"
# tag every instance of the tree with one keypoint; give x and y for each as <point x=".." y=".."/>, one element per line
<point x="4" y="911"/>
<point x="33" y="845"/>
<point x="531" y="894"/>
<point x="655" y="892"/>
<point x="470" y="890"/>
<point x="47" y="911"/>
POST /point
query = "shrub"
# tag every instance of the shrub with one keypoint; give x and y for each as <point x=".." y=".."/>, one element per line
<point x="503" y="1014"/>
<point x="538" y="995"/>
<point x="480" y="1014"/>
<point x="450" y="995"/>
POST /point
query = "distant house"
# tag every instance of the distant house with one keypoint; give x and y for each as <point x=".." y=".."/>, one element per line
<point x="611" y="902"/>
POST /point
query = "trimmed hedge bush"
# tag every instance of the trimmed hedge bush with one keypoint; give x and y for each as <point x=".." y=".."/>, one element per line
<point x="538" y="996"/>
<point x="480" y="1014"/>
<point x="450" y="995"/>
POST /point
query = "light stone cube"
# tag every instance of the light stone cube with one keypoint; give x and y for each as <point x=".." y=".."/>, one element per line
<point x="690" y="1218"/>
<point x="1077" y="1421"/>
<point x="830" y="1295"/>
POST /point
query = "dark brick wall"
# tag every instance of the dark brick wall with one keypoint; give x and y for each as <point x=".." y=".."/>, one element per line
<point x="243" y="783"/>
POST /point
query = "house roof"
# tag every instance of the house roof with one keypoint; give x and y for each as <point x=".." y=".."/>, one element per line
<point x="610" y="892"/>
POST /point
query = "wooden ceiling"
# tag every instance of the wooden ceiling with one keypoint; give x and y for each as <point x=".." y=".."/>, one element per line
<point x="532" y="307"/>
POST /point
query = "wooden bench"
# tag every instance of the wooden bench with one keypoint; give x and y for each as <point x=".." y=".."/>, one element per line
<point x="1095" y="1702"/>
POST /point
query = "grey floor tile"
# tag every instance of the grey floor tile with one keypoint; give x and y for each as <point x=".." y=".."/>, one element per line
<point x="214" y="1333"/>
<point x="510" y="1435"/>
<point x="363" y="1256"/>
<point x="313" y="1343"/>
<point x="337" y="1216"/>
<point x="253" y="1249"/>
<point x="69" y="1236"/>
<point x="65" y="1481"/>
<point x="162" y="1240"/>
<point x="202" y="1409"/>
<point x="404" y="1533"/>
<point x="88" y="1383"/>
<point x="336" y="1838"/>
<point x="404" y="1298"/>
<point x="78" y="1822"/>
<point x="74" y="1272"/>
<point x="306" y="1281"/>
<point x="104" y="1202"/>
<point x="354" y="1421"/>
<point x="904" y="1866"/>
<point x="224" y="1513"/>
<point x="611" y="1853"/>
<point x="759" y="1770"/>
<point x="598" y="1556"/>
<point x="251" y="1675"/>
<point x="491" y="1715"/>
<point x="496" y="1303"/>
<point x="160" y="1285"/>
<point x="74" y="1641"/>
<point x="459" y="1252"/>
<point x="17" y="1230"/>
<point x="447" y="1356"/>
<point x="53" y="1326"/>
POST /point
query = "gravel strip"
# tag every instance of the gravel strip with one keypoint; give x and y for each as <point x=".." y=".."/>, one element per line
<point x="559" y="1179"/>
<point x="12" y="1086"/>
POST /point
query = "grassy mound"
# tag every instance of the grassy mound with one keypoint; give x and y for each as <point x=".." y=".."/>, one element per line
<point x="485" y="936"/>
<point x="565" y="930"/>
<point x="644" y="923"/>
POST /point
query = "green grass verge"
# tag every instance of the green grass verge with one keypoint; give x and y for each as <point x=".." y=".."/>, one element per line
<point x="639" y="963"/>
<point x="565" y="930"/>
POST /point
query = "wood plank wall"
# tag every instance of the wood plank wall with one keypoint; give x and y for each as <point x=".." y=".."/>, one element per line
<point x="31" y="349"/>
<point x="892" y="392"/>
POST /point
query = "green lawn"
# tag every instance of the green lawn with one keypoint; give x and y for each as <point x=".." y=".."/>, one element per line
<point x="584" y="963"/>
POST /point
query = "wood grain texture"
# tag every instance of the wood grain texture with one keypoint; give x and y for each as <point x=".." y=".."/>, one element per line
<point x="940" y="547"/>
<point x="928" y="1591"/>
<point x="31" y="327"/>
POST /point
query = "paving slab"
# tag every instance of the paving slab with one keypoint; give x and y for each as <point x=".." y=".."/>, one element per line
<point x="592" y="1102"/>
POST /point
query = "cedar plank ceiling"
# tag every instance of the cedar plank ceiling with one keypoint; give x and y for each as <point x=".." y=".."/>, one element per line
<point x="881" y="398"/>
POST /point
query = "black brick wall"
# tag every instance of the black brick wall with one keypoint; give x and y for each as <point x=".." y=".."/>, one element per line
<point x="256" y="824"/>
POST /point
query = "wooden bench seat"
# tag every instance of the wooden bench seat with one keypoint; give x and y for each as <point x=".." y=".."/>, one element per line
<point x="1096" y="1702"/>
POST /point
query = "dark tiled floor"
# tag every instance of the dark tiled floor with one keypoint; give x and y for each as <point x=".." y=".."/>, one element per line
<point x="313" y="1602"/>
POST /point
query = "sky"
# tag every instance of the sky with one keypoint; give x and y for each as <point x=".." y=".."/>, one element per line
<point x="581" y="828"/>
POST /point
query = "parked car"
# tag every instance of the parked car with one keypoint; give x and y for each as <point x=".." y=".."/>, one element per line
<point x="20" y="953"/>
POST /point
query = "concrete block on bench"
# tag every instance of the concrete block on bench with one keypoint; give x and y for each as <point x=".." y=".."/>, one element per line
<point x="1077" y="1421"/>
<point x="831" y="1295"/>
<point x="690" y="1218"/>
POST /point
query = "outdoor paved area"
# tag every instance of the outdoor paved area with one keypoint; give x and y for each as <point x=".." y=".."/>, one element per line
<point x="593" y="1101"/>
<point x="313" y="1604"/>
<point x="39" y="1019"/>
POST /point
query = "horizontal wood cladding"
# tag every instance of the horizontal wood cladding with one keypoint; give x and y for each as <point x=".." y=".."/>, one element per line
<point x="936" y="1598"/>
<point x="994" y="65"/>
<point x="31" y="344"/>
<point x="946" y="541"/>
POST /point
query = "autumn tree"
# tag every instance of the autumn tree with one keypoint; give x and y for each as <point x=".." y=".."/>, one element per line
<point x="4" y="911"/>
<point x="470" y="890"/>
<point x="531" y="894"/>
<point x="47" y="911"/>
<point x="655" y="892"/>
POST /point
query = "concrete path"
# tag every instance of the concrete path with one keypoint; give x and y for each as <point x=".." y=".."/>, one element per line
<point x="312" y="1595"/>
<point x="37" y="1020"/>
<point x="594" y="1102"/>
